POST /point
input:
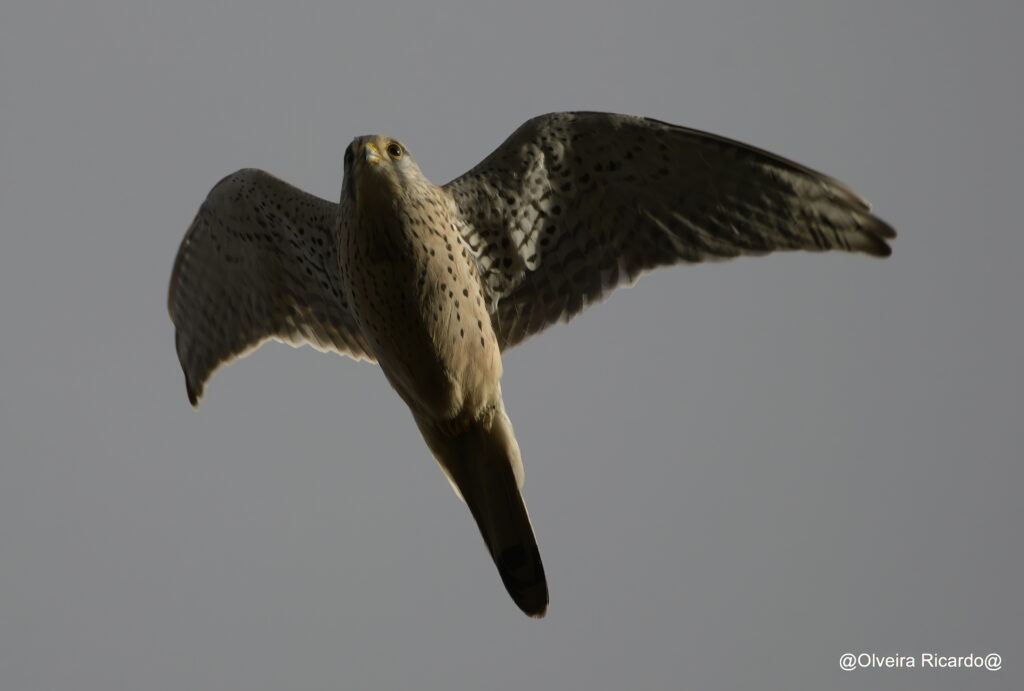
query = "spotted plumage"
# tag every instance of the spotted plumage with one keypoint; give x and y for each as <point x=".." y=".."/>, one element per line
<point x="434" y="282"/>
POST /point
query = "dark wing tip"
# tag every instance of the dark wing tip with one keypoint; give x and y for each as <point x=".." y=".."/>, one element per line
<point x="883" y="250"/>
<point x="194" y="391"/>
<point x="876" y="232"/>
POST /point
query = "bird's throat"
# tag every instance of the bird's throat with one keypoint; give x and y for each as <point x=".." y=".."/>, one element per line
<point x="376" y="190"/>
<point x="380" y="223"/>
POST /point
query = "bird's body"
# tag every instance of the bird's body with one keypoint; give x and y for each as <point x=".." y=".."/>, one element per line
<point x="416" y="294"/>
<point x="434" y="282"/>
<point x="417" y="298"/>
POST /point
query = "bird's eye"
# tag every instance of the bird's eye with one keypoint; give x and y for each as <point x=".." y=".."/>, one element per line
<point x="394" y="150"/>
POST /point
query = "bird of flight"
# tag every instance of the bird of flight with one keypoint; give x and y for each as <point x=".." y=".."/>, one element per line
<point x="434" y="283"/>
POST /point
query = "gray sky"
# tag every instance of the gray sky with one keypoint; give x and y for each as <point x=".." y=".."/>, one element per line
<point x="737" y="471"/>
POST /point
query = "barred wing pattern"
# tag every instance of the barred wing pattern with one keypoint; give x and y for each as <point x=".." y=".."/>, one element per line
<point x="573" y="205"/>
<point x="259" y="262"/>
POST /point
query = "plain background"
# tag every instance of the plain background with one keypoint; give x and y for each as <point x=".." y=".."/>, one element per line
<point x="737" y="471"/>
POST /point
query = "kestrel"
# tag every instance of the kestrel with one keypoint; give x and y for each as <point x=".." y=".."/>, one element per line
<point x="433" y="283"/>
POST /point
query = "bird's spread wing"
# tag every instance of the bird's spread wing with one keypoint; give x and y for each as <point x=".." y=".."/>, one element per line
<point x="258" y="262"/>
<point x="574" y="204"/>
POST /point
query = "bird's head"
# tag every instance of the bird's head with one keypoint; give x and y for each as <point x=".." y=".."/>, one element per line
<point x="378" y="168"/>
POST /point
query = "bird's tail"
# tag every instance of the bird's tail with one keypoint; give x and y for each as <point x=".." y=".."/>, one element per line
<point x="484" y="467"/>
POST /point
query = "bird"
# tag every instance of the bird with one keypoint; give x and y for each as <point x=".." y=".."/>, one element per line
<point x="434" y="283"/>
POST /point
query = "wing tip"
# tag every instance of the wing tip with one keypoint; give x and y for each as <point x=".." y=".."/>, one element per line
<point x="883" y="229"/>
<point x="875" y="235"/>
<point x="883" y="251"/>
<point x="195" y="392"/>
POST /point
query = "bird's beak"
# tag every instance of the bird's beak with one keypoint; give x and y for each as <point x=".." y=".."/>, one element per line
<point x="370" y="154"/>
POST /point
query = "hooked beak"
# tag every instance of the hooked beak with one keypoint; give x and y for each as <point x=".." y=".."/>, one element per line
<point x="370" y="153"/>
